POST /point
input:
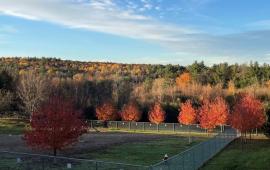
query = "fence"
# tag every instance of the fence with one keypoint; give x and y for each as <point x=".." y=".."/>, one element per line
<point x="197" y="155"/>
<point x="25" y="161"/>
<point x="190" y="159"/>
<point x="148" y="126"/>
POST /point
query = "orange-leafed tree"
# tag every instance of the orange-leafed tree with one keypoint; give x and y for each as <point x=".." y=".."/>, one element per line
<point x="248" y="113"/>
<point x="131" y="112"/>
<point x="187" y="115"/>
<point x="213" y="113"/>
<point x="107" y="111"/>
<point x="205" y="117"/>
<point x="55" y="125"/>
<point x="220" y="111"/>
<point x="156" y="114"/>
<point x="183" y="80"/>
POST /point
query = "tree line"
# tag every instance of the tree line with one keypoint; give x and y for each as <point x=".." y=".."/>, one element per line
<point x="26" y="83"/>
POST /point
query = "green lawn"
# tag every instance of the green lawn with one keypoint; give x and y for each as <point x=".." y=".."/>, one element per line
<point x="142" y="153"/>
<point x="167" y="132"/>
<point x="12" y="126"/>
<point x="255" y="154"/>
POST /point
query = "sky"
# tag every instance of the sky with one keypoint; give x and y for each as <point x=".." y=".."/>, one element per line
<point x="137" y="31"/>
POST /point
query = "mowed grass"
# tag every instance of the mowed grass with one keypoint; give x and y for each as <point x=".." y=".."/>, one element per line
<point x="142" y="153"/>
<point x="12" y="126"/>
<point x="254" y="155"/>
<point x="161" y="132"/>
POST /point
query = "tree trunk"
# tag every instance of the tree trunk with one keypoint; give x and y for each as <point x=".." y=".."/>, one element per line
<point x="105" y="124"/>
<point x="189" y="137"/>
<point x="54" y="154"/>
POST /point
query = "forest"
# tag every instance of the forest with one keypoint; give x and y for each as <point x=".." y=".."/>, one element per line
<point x="26" y="83"/>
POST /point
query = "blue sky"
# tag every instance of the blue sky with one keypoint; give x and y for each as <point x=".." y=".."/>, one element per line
<point x="137" y="31"/>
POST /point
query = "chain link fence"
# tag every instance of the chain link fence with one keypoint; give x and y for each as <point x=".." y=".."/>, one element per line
<point x="197" y="155"/>
<point x="148" y="126"/>
<point x="26" y="161"/>
<point x="190" y="159"/>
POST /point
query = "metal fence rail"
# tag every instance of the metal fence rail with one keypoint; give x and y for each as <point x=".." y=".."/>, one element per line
<point x="148" y="126"/>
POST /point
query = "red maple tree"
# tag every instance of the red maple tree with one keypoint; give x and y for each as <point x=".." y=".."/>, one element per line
<point x="205" y="115"/>
<point x="220" y="110"/>
<point x="55" y="125"/>
<point x="213" y="113"/>
<point x="248" y="113"/>
<point x="106" y="112"/>
<point x="187" y="114"/>
<point x="156" y="114"/>
<point x="131" y="112"/>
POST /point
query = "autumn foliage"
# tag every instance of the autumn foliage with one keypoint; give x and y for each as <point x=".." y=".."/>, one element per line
<point x="221" y="111"/>
<point x="55" y="125"/>
<point x="156" y="114"/>
<point x="213" y="113"/>
<point x="183" y="80"/>
<point x="187" y="114"/>
<point x="130" y="112"/>
<point x="106" y="112"/>
<point x="248" y="113"/>
<point x="205" y="115"/>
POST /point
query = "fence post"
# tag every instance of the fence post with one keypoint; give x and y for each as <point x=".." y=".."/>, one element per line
<point x="43" y="167"/>
<point x="129" y="125"/>
<point x="116" y="124"/>
<point x="221" y="128"/>
<point x="194" y="162"/>
<point x="96" y="166"/>
<point x="173" y="127"/>
<point x="143" y="126"/>
<point x="215" y="144"/>
<point x="157" y="127"/>
<point x="91" y="124"/>
<point x="183" y="161"/>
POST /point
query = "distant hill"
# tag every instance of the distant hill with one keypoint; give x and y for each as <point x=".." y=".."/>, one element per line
<point x="95" y="70"/>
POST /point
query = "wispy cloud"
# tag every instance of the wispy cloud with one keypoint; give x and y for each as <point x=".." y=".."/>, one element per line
<point x="261" y="24"/>
<point x="96" y="15"/>
<point x="5" y="31"/>
<point x="108" y="17"/>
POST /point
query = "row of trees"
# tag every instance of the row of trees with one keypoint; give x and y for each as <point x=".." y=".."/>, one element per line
<point x="57" y="123"/>
<point x="246" y="114"/>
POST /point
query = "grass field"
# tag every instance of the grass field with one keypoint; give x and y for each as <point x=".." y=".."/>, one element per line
<point x="12" y="126"/>
<point x="142" y="153"/>
<point x="254" y="155"/>
<point x="132" y="147"/>
<point x="167" y="132"/>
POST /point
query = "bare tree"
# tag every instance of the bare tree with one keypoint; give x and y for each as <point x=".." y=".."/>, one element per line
<point x="32" y="91"/>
